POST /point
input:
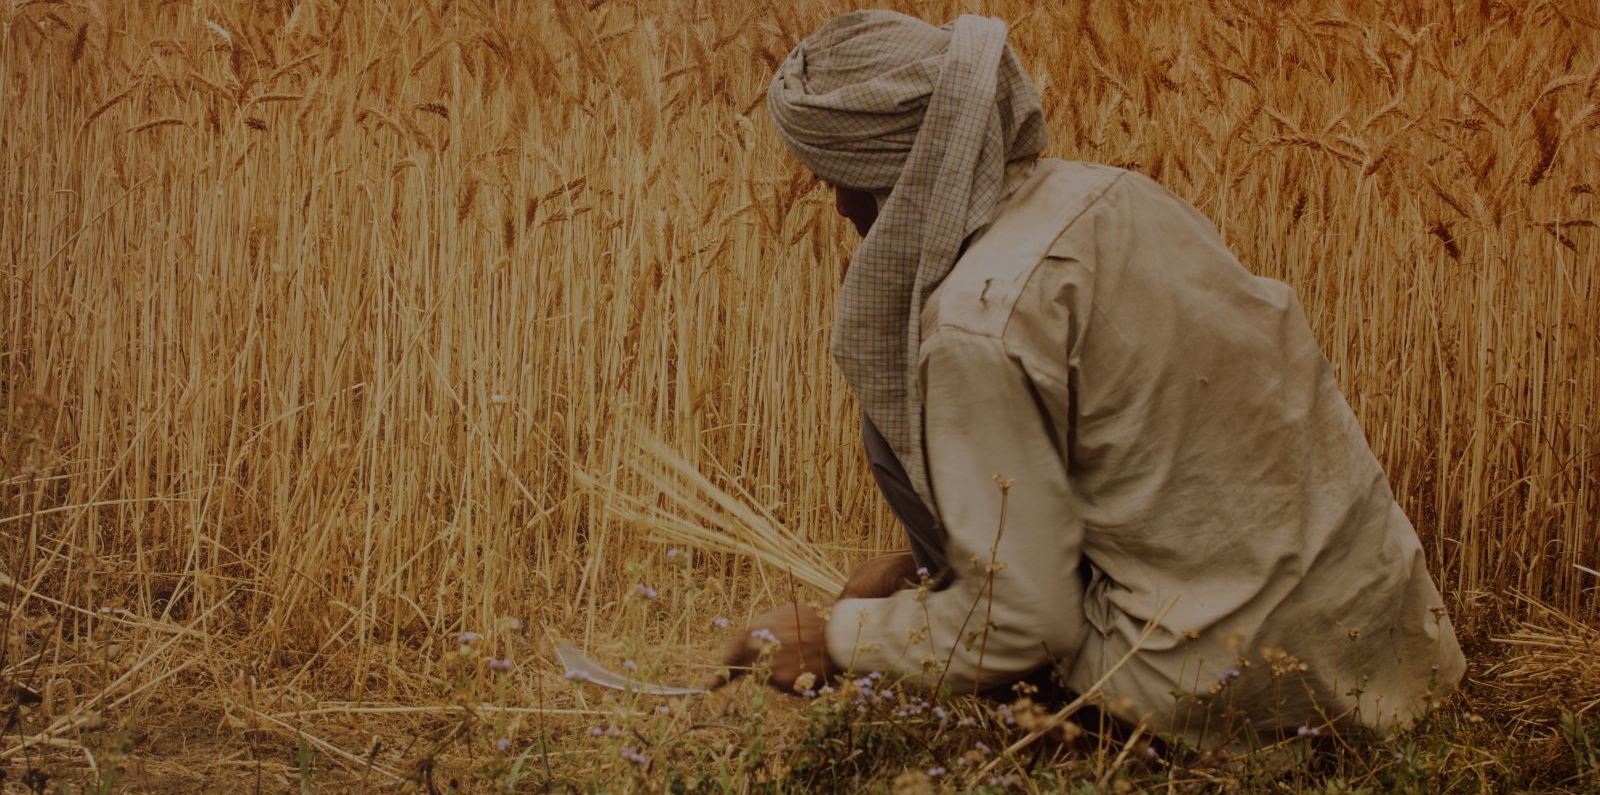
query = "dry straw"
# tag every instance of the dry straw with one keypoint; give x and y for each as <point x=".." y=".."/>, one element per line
<point x="1554" y="662"/>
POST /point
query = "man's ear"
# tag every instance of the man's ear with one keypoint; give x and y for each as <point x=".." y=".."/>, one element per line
<point x="859" y="206"/>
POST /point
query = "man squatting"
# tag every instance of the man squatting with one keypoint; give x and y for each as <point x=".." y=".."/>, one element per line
<point x="1077" y="345"/>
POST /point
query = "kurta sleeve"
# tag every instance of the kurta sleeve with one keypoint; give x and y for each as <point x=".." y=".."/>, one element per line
<point x="999" y="477"/>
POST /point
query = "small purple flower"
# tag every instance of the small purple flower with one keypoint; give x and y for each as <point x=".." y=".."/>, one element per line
<point x="936" y="771"/>
<point x="663" y="710"/>
<point x="1150" y="752"/>
<point x="576" y="675"/>
<point x="468" y="638"/>
<point x="1309" y="731"/>
<point x="500" y="664"/>
<point x="922" y="572"/>
<point x="720" y="622"/>
<point x="764" y="635"/>
<point x="1399" y="757"/>
<point x="633" y="755"/>
<point x="502" y="744"/>
<point x="673" y="553"/>
<point x="632" y="666"/>
<point x="981" y="748"/>
<point x="597" y="732"/>
<point x="646" y="591"/>
<point x="938" y="712"/>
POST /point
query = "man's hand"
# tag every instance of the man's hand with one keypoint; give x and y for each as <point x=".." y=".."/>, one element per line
<point x="881" y="576"/>
<point x="797" y="630"/>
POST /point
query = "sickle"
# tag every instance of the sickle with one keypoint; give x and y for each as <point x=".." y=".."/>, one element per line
<point x="581" y="667"/>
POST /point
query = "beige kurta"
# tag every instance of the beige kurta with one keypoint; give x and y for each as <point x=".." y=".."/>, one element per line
<point x="1168" y="418"/>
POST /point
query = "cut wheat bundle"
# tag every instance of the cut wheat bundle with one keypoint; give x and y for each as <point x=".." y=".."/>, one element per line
<point x="688" y="508"/>
<point x="1555" y="660"/>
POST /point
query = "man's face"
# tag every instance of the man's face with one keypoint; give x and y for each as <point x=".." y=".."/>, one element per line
<point x="857" y="205"/>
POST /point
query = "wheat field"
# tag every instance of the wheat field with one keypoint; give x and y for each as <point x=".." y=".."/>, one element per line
<point x="330" y="330"/>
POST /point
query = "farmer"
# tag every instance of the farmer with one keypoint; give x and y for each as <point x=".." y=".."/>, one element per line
<point x="1114" y="450"/>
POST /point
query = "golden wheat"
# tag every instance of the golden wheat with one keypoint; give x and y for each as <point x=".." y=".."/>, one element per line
<point x="315" y="323"/>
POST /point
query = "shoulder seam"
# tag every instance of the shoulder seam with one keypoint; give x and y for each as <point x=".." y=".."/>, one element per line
<point x="1094" y="199"/>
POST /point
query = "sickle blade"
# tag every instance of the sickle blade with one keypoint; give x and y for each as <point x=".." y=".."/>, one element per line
<point x="581" y="667"/>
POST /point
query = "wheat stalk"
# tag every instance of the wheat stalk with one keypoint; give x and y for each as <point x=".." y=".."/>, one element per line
<point x="323" y="365"/>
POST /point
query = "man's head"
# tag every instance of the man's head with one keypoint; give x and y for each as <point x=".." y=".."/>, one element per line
<point x="923" y="131"/>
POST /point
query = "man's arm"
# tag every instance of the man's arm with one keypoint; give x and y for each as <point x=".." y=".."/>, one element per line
<point x="1000" y="482"/>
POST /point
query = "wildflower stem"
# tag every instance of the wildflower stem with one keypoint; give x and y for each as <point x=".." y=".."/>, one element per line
<point x="1004" y="484"/>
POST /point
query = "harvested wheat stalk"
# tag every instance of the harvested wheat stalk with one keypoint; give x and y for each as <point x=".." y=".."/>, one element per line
<point x="702" y="515"/>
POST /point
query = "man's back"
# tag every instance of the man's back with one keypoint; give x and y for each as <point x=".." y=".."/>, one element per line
<point x="1221" y="484"/>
